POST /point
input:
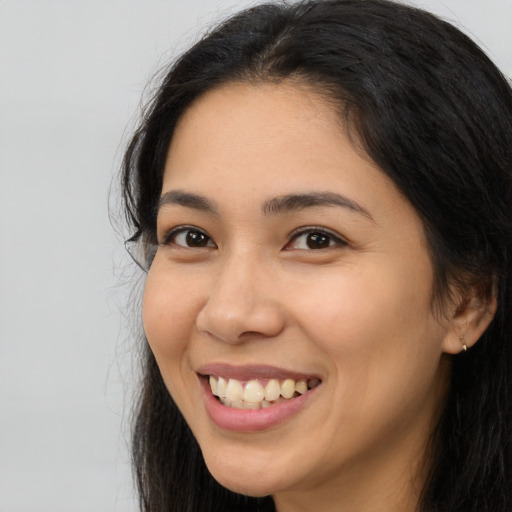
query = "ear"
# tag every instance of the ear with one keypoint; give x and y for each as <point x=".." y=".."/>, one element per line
<point x="469" y="320"/>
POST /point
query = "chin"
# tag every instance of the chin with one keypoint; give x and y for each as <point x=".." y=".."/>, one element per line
<point x="253" y="480"/>
<point x="247" y="485"/>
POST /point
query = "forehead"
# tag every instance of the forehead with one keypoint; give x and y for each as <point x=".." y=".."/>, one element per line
<point x="256" y="119"/>
<point x="246" y="142"/>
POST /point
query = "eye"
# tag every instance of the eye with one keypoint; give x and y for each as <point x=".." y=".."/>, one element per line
<point x="314" y="239"/>
<point x="189" y="237"/>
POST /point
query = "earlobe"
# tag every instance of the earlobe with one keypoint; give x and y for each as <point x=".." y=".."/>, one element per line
<point x="470" y="320"/>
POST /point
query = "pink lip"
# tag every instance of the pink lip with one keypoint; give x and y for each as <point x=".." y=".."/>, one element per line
<point x="248" y="372"/>
<point x="247" y="420"/>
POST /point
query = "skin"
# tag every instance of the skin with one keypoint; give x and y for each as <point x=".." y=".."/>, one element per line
<point x="357" y="313"/>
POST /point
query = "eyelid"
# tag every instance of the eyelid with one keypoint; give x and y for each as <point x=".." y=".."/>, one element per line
<point x="294" y="235"/>
<point x="336" y="237"/>
<point x="169" y="234"/>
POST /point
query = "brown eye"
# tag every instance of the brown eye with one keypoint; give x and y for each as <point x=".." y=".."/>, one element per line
<point x="189" y="237"/>
<point x="318" y="241"/>
<point x="196" y="239"/>
<point x="312" y="239"/>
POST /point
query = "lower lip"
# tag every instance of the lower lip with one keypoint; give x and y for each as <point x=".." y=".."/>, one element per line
<point x="250" y="420"/>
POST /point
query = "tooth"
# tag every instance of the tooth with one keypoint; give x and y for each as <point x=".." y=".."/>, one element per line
<point x="301" y="386"/>
<point x="272" y="390"/>
<point x="225" y="402"/>
<point x="213" y="385"/>
<point x="265" y="404"/>
<point x="253" y="392"/>
<point x="234" y="391"/>
<point x="288" y="388"/>
<point x="251" y="405"/>
<point x="240" y="404"/>
<point x="221" y="387"/>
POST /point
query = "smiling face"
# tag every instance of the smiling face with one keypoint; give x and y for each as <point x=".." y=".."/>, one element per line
<point x="289" y="261"/>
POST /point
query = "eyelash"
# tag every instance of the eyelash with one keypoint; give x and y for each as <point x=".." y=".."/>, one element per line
<point x="173" y="233"/>
<point x="333" y="239"/>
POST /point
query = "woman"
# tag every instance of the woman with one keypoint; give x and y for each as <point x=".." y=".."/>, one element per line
<point x="321" y="195"/>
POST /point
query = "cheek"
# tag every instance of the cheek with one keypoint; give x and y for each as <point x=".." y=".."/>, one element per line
<point x="376" y="327"/>
<point x="167" y="314"/>
<point x="364" y="309"/>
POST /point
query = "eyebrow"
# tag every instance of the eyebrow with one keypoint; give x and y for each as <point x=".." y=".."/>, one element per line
<point x="281" y="204"/>
<point x="188" y="200"/>
<point x="297" y="202"/>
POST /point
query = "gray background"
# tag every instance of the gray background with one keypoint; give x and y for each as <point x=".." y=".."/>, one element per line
<point x="71" y="77"/>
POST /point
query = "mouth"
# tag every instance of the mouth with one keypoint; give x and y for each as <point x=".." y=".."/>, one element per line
<point x="257" y="394"/>
<point x="253" y="398"/>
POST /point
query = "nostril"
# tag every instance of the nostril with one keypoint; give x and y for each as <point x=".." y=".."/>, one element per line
<point x="237" y="323"/>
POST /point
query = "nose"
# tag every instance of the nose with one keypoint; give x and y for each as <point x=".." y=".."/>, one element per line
<point x="241" y="304"/>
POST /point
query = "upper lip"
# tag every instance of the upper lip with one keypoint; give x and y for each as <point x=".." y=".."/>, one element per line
<point x="252" y="371"/>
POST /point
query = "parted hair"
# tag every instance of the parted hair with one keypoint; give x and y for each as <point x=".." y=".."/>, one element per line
<point x="434" y="113"/>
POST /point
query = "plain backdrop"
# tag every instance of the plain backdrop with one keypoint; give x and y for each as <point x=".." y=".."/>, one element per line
<point x="71" y="77"/>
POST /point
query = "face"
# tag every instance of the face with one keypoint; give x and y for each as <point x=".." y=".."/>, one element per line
<point x="290" y="266"/>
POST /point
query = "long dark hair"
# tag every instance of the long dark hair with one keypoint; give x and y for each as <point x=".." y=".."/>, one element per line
<point x="426" y="104"/>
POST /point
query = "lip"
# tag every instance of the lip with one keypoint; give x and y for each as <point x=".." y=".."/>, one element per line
<point x="248" y="420"/>
<point x="250" y="372"/>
